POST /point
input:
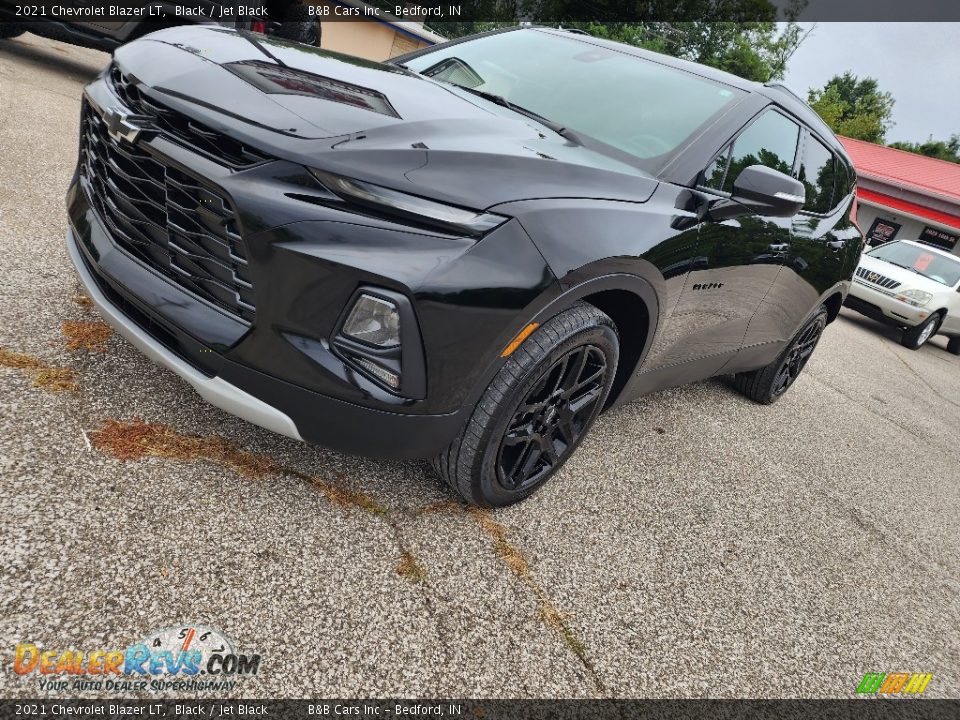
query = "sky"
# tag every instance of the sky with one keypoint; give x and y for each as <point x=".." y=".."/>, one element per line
<point x="918" y="63"/>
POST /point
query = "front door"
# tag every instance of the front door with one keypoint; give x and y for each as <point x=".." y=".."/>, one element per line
<point x="742" y="256"/>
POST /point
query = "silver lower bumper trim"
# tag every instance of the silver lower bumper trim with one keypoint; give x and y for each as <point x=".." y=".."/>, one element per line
<point x="214" y="390"/>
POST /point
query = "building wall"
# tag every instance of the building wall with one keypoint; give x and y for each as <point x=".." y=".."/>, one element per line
<point x="370" y="39"/>
<point x="910" y="227"/>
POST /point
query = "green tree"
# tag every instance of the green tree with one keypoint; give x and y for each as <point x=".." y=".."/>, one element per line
<point x="853" y="107"/>
<point x="940" y="149"/>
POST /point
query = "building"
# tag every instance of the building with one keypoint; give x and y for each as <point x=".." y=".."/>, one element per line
<point x="348" y="26"/>
<point x="903" y="195"/>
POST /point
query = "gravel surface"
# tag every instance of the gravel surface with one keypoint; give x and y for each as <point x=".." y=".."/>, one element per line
<point x="697" y="545"/>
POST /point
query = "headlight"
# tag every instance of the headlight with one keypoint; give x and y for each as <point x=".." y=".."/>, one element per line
<point x="374" y="320"/>
<point x="409" y="206"/>
<point x="917" y="298"/>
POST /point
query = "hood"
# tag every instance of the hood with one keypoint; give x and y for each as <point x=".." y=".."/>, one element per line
<point x="906" y="278"/>
<point x="371" y="121"/>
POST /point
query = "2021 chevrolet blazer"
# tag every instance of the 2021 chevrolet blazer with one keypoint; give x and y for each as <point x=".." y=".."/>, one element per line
<point x="466" y="254"/>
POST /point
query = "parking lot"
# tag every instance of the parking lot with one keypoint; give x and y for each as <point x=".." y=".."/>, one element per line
<point x="697" y="545"/>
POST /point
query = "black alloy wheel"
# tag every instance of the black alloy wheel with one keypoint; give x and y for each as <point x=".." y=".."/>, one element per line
<point x="798" y="354"/>
<point x="536" y="410"/>
<point x="770" y="383"/>
<point x="550" y="421"/>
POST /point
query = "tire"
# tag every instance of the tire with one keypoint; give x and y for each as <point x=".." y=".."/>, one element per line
<point x="770" y="383"/>
<point x="300" y="26"/>
<point x="11" y="30"/>
<point x="551" y="390"/>
<point x="916" y="337"/>
<point x="953" y="345"/>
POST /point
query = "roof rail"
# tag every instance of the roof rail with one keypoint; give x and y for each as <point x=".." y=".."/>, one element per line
<point x="781" y="86"/>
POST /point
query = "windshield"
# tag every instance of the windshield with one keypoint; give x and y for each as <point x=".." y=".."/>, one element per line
<point x="943" y="270"/>
<point x="634" y="105"/>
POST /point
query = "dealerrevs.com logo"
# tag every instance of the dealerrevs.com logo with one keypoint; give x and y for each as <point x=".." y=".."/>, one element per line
<point x="188" y="657"/>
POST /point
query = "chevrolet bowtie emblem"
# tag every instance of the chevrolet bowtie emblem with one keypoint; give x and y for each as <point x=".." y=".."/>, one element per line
<point x="118" y="125"/>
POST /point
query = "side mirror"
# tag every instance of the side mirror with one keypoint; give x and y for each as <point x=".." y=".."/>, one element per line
<point x="759" y="190"/>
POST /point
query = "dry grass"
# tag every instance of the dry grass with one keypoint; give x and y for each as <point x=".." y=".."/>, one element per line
<point x="83" y="301"/>
<point x="45" y="376"/>
<point x="56" y="380"/>
<point x="509" y="553"/>
<point x="137" y="439"/>
<point x="409" y="568"/>
<point x="86" y="335"/>
<point x="346" y="498"/>
<point x="514" y="559"/>
<point x="19" y="361"/>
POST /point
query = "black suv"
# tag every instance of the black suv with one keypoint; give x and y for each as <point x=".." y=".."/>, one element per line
<point x="465" y="254"/>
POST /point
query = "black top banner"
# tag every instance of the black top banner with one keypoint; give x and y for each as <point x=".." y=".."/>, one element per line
<point x="551" y="12"/>
<point x="424" y="709"/>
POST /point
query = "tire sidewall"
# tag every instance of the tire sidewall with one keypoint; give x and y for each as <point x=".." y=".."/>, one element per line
<point x="492" y="493"/>
<point x="820" y="316"/>
<point x="914" y="335"/>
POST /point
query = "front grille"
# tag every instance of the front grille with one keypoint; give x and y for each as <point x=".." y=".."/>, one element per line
<point x="877" y="279"/>
<point x="169" y="220"/>
<point x="215" y="145"/>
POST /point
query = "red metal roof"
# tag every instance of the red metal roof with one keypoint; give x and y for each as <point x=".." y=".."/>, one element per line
<point x="898" y="167"/>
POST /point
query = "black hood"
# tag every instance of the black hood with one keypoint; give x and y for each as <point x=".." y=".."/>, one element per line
<point x="369" y="120"/>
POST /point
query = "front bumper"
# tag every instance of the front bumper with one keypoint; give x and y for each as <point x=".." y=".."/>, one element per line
<point x="882" y="305"/>
<point x="259" y="398"/>
<point x="214" y="390"/>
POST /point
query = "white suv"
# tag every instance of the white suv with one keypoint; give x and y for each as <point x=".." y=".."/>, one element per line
<point x="913" y="286"/>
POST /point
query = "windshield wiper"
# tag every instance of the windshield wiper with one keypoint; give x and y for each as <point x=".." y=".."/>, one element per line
<point x="246" y="35"/>
<point x="503" y="102"/>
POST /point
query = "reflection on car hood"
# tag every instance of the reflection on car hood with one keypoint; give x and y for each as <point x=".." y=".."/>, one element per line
<point x="364" y="119"/>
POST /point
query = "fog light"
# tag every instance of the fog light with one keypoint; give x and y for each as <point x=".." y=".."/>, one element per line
<point x="381" y="373"/>
<point x="375" y="321"/>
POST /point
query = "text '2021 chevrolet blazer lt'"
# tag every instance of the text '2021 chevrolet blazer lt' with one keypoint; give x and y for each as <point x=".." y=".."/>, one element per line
<point x="465" y="254"/>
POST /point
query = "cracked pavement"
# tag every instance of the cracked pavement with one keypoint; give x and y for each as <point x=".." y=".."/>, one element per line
<point x="697" y="545"/>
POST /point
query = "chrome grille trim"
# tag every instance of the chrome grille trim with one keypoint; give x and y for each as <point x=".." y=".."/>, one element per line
<point x="876" y="278"/>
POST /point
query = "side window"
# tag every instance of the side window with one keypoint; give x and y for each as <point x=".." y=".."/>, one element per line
<point x="771" y="141"/>
<point x="818" y="175"/>
<point x="713" y="177"/>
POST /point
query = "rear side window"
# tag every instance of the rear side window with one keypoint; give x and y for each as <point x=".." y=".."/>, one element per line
<point x="818" y="171"/>
<point x="771" y="141"/>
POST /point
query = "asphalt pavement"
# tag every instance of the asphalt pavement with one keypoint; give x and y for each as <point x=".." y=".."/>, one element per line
<point x="697" y="545"/>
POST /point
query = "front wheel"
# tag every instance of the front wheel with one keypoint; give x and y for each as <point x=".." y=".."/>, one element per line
<point x="953" y="345"/>
<point x="916" y="337"/>
<point x="536" y="411"/>
<point x="768" y="384"/>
